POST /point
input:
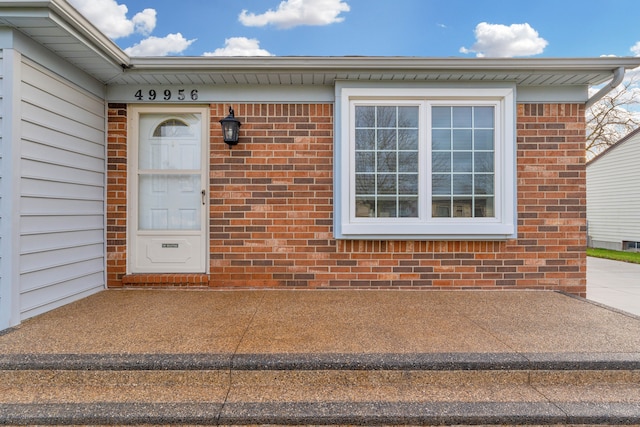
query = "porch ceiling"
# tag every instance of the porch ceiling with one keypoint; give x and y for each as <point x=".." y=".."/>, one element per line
<point x="60" y="28"/>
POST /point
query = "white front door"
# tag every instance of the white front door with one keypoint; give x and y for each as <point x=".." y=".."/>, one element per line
<point x="168" y="197"/>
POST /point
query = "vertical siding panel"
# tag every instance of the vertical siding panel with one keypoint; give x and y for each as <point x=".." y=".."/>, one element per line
<point x="613" y="197"/>
<point x="62" y="191"/>
<point x="3" y="318"/>
<point x="9" y="184"/>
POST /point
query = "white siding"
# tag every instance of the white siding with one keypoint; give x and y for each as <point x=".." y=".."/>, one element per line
<point x="4" y="318"/>
<point x="61" y="191"/>
<point x="613" y="195"/>
<point x="9" y="313"/>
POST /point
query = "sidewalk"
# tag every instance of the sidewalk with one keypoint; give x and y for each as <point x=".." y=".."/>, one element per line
<point x="614" y="283"/>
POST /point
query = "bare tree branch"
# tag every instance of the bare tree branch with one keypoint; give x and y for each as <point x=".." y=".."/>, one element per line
<point x="613" y="116"/>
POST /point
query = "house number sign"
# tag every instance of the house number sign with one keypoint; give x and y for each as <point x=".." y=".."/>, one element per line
<point x="166" y="94"/>
<point x="193" y="93"/>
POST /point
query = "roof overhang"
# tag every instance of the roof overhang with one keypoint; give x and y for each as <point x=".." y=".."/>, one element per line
<point x="59" y="27"/>
<point x="327" y="70"/>
<point x="62" y="29"/>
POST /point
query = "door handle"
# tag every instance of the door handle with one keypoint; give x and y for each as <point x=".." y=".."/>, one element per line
<point x="204" y="193"/>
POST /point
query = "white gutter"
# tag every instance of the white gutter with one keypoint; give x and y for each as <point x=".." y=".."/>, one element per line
<point x="321" y="63"/>
<point x="618" y="76"/>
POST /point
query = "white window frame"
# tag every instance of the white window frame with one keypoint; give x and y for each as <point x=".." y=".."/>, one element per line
<point x="500" y="227"/>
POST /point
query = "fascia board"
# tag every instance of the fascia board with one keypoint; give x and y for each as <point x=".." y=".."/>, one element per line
<point x="386" y="63"/>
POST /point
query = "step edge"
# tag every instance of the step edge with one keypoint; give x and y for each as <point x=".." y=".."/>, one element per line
<point x="324" y="361"/>
<point x="361" y="413"/>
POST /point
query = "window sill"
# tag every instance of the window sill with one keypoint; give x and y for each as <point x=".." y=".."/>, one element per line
<point x="449" y="231"/>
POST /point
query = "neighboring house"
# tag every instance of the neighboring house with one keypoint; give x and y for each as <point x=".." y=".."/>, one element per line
<point x="350" y="172"/>
<point x="613" y="196"/>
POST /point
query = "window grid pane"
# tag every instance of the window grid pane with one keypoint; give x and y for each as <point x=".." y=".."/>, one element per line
<point x="386" y="153"/>
<point x="463" y="170"/>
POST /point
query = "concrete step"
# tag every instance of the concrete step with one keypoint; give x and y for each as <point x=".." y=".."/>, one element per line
<point x="427" y="389"/>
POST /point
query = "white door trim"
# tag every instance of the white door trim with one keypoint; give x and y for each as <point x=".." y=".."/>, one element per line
<point x="162" y="243"/>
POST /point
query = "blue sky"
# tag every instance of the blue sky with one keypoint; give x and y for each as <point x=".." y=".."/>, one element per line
<point x="428" y="28"/>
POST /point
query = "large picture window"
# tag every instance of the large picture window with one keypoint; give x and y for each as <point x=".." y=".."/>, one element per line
<point x="426" y="164"/>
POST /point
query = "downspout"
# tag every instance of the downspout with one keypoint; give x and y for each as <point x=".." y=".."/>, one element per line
<point x="618" y="76"/>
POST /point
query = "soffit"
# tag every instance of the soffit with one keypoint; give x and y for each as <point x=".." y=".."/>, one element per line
<point x="61" y="29"/>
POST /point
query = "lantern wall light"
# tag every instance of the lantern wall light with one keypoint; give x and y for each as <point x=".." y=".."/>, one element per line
<point x="230" y="128"/>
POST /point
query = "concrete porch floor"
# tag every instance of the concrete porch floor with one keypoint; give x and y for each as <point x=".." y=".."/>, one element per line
<point x="323" y="357"/>
<point x="327" y="322"/>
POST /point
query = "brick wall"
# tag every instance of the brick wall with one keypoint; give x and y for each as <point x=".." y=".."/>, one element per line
<point x="116" y="194"/>
<point x="271" y="211"/>
<point x="552" y="196"/>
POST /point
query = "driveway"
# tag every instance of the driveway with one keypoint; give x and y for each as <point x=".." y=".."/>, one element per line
<point x="614" y="283"/>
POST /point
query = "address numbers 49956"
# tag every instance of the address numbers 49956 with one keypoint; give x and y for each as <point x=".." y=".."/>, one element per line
<point x="167" y="95"/>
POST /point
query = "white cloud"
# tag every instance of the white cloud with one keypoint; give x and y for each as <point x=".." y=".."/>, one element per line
<point x="111" y="17"/>
<point x="156" y="46"/>
<point x="636" y="49"/>
<point x="145" y="21"/>
<point x="497" y="40"/>
<point x="239" y="46"/>
<point x="291" y="13"/>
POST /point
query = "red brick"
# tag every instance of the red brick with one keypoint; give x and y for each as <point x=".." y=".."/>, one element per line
<point x="271" y="211"/>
